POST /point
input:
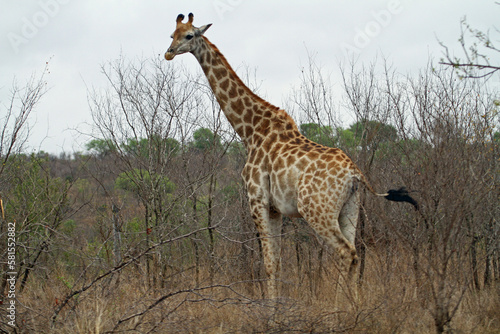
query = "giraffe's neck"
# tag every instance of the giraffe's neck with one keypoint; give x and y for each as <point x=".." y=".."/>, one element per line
<point x="244" y="110"/>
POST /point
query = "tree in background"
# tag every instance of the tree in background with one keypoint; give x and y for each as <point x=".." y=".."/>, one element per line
<point x="477" y="55"/>
<point x="204" y="139"/>
<point x="40" y="204"/>
<point x="144" y="109"/>
<point x="14" y="133"/>
<point x="320" y="134"/>
<point x="102" y="147"/>
<point x="142" y="146"/>
<point x="371" y="134"/>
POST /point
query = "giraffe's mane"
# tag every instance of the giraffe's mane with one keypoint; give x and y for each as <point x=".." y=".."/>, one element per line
<point x="237" y="78"/>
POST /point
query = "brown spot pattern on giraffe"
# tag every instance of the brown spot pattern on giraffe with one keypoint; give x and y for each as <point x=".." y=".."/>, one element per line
<point x="285" y="172"/>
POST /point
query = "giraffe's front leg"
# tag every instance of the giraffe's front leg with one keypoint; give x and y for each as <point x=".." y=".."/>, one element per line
<point x="268" y="223"/>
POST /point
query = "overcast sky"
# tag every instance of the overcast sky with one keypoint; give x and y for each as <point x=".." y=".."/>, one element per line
<point x="273" y="37"/>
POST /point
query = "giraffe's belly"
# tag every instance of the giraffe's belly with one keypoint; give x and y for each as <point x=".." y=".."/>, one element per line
<point x="286" y="208"/>
<point x="284" y="194"/>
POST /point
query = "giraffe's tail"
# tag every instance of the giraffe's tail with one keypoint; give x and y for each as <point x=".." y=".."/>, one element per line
<point x="396" y="195"/>
<point x="401" y="195"/>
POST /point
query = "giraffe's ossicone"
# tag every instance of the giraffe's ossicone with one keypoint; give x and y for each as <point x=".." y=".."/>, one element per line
<point x="285" y="173"/>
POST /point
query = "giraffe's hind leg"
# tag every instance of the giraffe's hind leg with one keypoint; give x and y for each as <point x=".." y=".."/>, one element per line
<point x="326" y="210"/>
<point x="332" y="215"/>
<point x="348" y="220"/>
<point x="328" y="228"/>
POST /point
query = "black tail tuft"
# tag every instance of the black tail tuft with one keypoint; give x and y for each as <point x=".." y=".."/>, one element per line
<point x="401" y="195"/>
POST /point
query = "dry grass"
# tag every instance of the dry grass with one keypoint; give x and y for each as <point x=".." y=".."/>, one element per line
<point x="386" y="303"/>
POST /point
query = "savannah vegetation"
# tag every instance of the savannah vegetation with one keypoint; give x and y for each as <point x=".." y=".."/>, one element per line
<point x="148" y="230"/>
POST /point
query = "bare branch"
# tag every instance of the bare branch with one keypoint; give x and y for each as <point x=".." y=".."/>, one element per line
<point x="15" y="130"/>
<point x="476" y="59"/>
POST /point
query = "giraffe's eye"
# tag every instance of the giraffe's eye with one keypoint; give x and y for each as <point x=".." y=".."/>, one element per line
<point x="188" y="37"/>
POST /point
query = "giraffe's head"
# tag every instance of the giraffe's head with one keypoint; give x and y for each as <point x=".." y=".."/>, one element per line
<point x="184" y="37"/>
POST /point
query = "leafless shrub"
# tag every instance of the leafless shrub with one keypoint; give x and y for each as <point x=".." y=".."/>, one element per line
<point x="15" y="128"/>
<point x="446" y="151"/>
<point x="150" y="232"/>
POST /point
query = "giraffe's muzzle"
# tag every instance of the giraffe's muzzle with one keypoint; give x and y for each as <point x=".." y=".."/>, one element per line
<point x="169" y="55"/>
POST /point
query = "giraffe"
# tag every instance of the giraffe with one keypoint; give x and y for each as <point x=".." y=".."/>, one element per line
<point x="285" y="173"/>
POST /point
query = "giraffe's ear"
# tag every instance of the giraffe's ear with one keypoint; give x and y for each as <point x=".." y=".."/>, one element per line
<point x="201" y="30"/>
